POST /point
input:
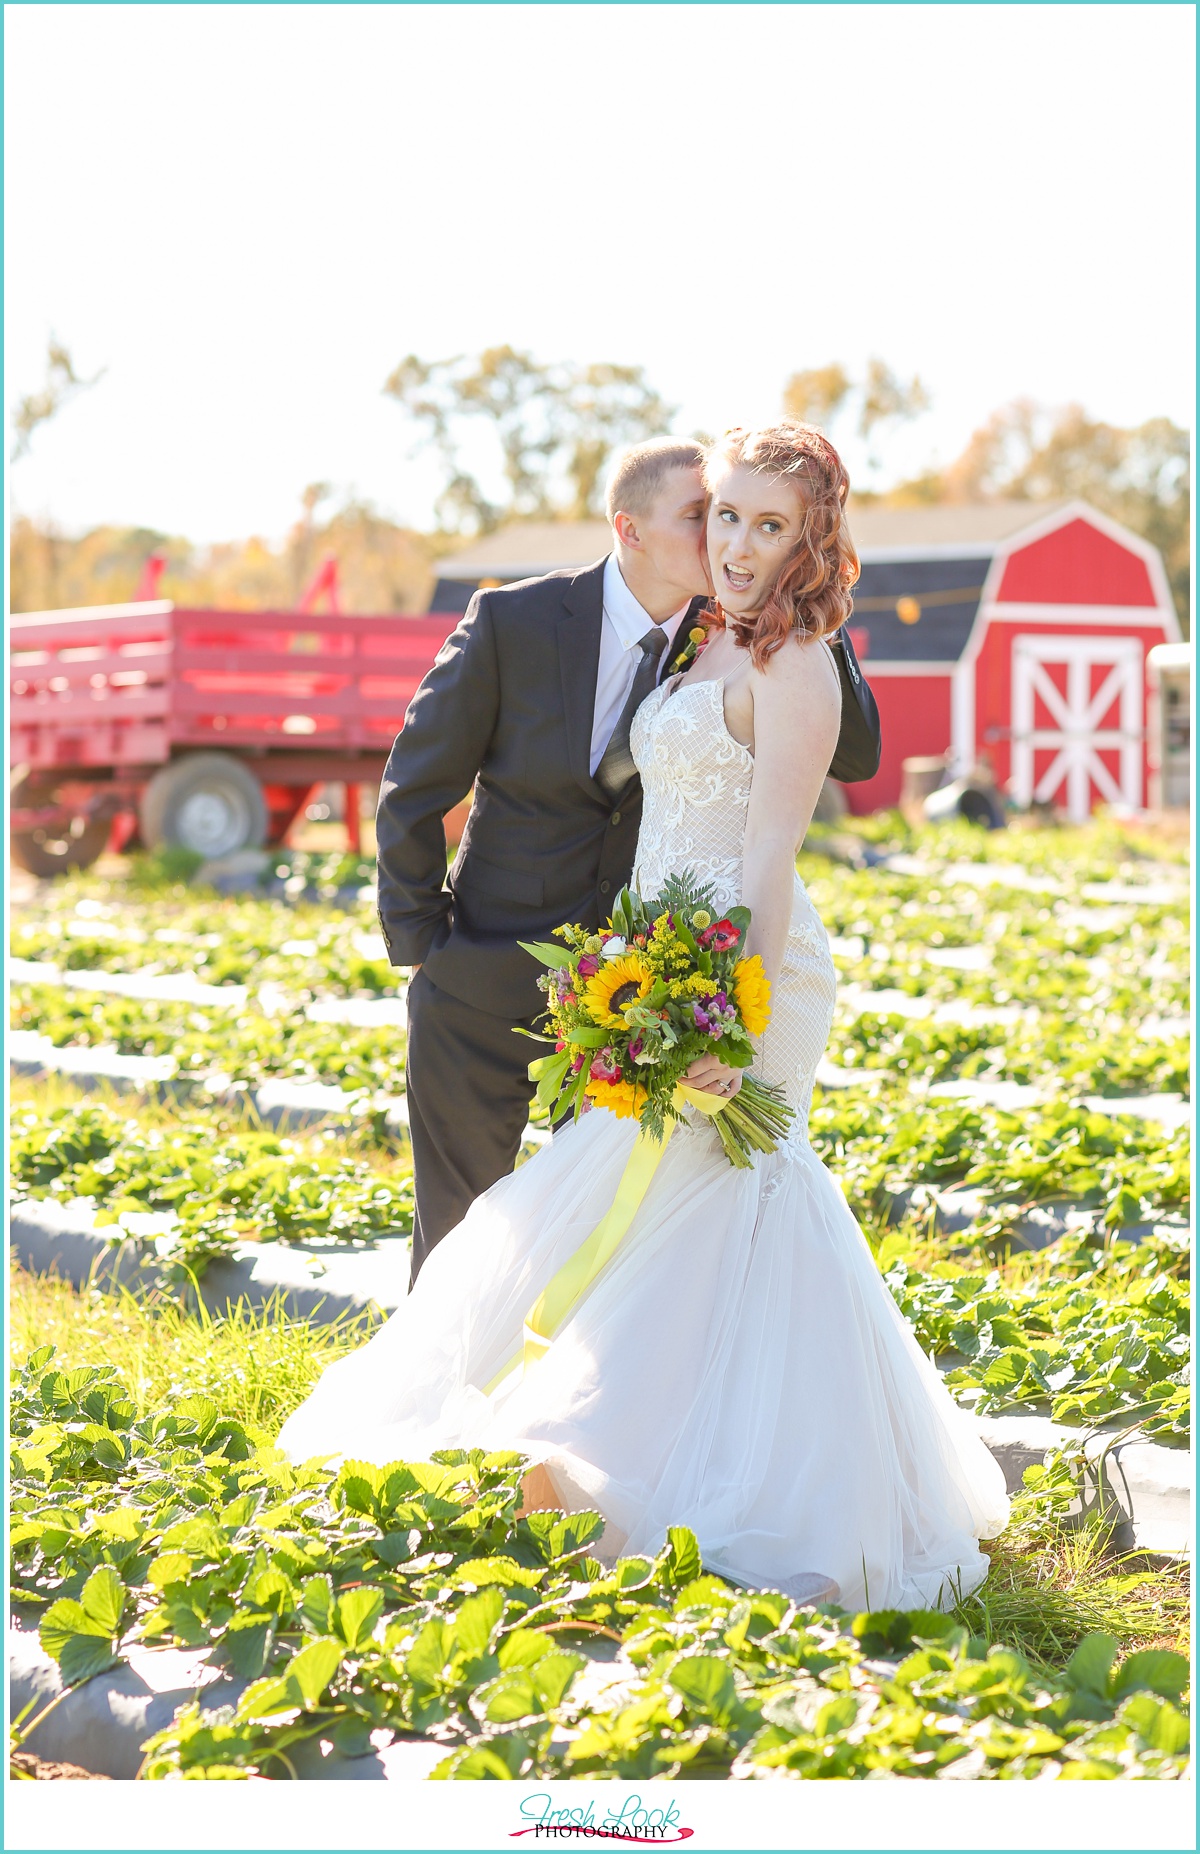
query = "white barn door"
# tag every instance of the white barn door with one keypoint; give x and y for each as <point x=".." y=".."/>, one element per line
<point x="1077" y="721"/>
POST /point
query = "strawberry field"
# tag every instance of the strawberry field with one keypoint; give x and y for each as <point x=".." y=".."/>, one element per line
<point x="1005" y="1102"/>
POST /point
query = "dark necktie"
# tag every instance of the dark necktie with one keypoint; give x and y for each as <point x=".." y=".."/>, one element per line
<point x="616" y="767"/>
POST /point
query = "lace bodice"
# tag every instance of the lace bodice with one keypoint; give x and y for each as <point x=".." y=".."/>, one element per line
<point x="696" y="780"/>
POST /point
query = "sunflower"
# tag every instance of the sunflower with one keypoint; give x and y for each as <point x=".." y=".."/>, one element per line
<point x="622" y="1098"/>
<point x="752" y="993"/>
<point x="619" y="982"/>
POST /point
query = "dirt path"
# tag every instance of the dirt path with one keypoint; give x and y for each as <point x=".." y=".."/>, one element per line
<point x="25" y="1764"/>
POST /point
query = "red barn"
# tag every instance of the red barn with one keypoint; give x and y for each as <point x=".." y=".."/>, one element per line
<point x="1013" y="635"/>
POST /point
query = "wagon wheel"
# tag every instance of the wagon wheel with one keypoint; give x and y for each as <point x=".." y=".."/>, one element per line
<point x="67" y="837"/>
<point x="207" y="802"/>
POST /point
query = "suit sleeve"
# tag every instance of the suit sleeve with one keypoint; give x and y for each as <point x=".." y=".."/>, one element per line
<point x="431" y="768"/>
<point x="860" y="741"/>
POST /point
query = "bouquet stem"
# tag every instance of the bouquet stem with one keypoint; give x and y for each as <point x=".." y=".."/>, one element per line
<point x="755" y="1120"/>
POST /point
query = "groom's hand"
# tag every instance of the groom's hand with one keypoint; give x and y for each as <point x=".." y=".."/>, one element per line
<point x="713" y="1076"/>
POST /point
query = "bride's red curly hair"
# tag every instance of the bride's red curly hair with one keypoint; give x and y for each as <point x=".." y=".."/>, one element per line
<point x="812" y="592"/>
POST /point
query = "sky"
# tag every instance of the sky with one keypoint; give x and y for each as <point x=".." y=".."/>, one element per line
<point x="247" y="215"/>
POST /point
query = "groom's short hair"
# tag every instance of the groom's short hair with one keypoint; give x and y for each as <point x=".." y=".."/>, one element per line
<point x="639" y="471"/>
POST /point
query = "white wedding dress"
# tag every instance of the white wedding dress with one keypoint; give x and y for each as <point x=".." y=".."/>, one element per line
<point x="739" y="1366"/>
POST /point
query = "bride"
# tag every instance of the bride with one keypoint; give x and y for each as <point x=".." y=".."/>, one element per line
<point x="738" y="1366"/>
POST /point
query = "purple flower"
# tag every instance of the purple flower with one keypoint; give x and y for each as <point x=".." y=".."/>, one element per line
<point x="702" y="1021"/>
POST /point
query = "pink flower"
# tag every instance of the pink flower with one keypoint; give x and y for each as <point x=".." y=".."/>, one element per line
<point x="576" y="1064"/>
<point x="588" y="966"/>
<point x="605" y="1066"/>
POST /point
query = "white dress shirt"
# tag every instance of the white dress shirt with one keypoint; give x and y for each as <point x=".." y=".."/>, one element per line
<point x="624" y="625"/>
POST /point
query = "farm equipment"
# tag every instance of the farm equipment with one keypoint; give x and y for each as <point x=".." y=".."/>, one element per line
<point x="209" y="730"/>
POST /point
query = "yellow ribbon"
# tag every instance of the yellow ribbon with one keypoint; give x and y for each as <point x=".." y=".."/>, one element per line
<point x="562" y="1294"/>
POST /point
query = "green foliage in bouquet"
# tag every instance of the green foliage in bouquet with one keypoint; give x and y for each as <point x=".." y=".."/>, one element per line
<point x="634" y="1005"/>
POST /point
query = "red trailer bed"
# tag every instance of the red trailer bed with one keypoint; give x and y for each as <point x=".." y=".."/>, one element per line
<point x="203" y="728"/>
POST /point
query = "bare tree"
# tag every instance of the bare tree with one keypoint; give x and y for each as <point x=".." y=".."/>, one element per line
<point x="301" y="542"/>
<point x="62" y="384"/>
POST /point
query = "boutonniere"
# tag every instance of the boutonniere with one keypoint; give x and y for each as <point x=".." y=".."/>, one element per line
<point x="695" y="642"/>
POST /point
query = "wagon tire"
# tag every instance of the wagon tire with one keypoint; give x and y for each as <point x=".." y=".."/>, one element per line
<point x="52" y="850"/>
<point x="208" y="803"/>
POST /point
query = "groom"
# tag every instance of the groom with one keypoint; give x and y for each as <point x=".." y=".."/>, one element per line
<point x="531" y="700"/>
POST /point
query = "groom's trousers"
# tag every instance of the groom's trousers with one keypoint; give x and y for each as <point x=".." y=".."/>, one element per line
<point x="468" y="1090"/>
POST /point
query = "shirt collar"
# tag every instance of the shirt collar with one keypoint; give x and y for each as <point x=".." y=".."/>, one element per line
<point x="629" y="619"/>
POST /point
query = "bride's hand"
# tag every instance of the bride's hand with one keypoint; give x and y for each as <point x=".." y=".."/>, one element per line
<point x="714" y="1076"/>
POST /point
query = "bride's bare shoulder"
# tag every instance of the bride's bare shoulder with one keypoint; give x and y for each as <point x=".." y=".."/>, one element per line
<point x="801" y="670"/>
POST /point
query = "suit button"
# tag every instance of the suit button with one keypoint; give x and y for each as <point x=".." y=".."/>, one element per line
<point x="604" y="887"/>
<point x="616" y="818"/>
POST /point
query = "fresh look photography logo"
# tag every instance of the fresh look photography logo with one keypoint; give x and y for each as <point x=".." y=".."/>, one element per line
<point x="630" y="1820"/>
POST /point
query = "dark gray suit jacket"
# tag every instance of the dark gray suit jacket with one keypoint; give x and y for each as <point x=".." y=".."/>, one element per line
<point x="508" y="705"/>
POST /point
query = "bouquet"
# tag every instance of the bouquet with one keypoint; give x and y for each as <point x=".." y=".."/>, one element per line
<point x="631" y="1008"/>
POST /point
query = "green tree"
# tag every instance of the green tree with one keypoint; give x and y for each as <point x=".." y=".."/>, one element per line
<point x="554" y="427"/>
<point x="822" y="395"/>
<point x="381" y="567"/>
<point x="885" y="400"/>
<point x="816" y="397"/>
<point x="603" y="407"/>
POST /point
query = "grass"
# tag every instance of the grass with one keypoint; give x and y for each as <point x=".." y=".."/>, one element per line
<point x="1043" y="1596"/>
<point x="1049" y="1586"/>
<point x="257" y="1366"/>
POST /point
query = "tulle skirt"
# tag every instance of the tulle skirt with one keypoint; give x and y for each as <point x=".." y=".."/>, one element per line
<point x="738" y="1367"/>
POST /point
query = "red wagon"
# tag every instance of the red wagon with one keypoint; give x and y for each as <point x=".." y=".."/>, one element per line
<point x="206" y="729"/>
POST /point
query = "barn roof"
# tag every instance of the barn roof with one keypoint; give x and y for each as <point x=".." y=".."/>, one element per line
<point x="527" y="548"/>
<point x="917" y="610"/>
<point x="923" y="568"/>
<point x="968" y="527"/>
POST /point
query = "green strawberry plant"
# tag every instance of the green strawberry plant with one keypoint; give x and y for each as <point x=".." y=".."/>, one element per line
<point x="364" y="1604"/>
<point x="248" y="1183"/>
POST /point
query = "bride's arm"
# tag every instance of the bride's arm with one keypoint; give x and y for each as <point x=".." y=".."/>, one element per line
<point x="797" y="713"/>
